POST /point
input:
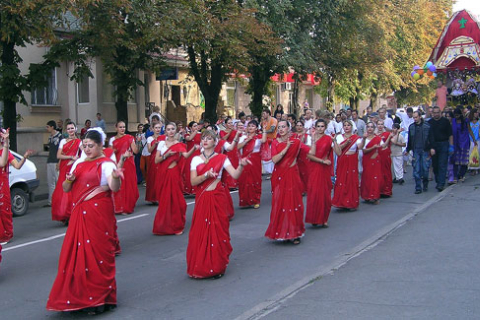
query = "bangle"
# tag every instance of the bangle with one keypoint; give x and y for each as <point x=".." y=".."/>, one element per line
<point x="163" y="157"/>
<point x="68" y="181"/>
<point x="205" y="175"/>
<point x="236" y="140"/>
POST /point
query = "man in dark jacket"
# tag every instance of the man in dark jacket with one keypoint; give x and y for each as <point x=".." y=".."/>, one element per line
<point x="420" y="142"/>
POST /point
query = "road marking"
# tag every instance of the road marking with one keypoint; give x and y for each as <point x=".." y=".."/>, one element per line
<point x="63" y="234"/>
<point x="273" y="303"/>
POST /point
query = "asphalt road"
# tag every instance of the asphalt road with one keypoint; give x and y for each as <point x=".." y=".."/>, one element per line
<point x="151" y="272"/>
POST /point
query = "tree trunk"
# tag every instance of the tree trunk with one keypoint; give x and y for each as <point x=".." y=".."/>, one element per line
<point x="258" y="84"/>
<point x="8" y="83"/>
<point x="295" y="105"/>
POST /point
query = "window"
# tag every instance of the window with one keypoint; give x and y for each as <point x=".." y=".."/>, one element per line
<point x="46" y="95"/>
<point x="83" y="92"/>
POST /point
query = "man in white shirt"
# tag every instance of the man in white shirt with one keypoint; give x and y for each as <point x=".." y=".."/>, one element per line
<point x="309" y="120"/>
<point x="388" y="123"/>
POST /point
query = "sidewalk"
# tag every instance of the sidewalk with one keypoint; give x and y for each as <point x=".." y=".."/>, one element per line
<point x="426" y="269"/>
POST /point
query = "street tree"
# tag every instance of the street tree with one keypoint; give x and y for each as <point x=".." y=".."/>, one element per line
<point x="217" y="37"/>
<point x="23" y="23"/>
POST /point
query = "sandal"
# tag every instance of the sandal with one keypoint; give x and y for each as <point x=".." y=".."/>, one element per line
<point x="296" y="241"/>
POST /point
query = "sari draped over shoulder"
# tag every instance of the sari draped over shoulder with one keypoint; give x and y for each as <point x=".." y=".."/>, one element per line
<point x="386" y="180"/>
<point x="170" y="217"/>
<point x="303" y="162"/>
<point x="153" y="176"/>
<point x="372" y="172"/>
<point x="187" y="184"/>
<point x="346" y="191"/>
<point x="319" y="192"/>
<point x="6" y="221"/>
<point x="286" y="216"/>
<point x="209" y="245"/>
<point x="126" y="198"/>
<point x="250" y="182"/>
<point x="86" y="268"/>
<point x="233" y="157"/>
<point x="62" y="201"/>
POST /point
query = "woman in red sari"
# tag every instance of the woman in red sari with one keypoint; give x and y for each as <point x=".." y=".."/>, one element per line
<point x="250" y="183"/>
<point x="7" y="159"/>
<point x="303" y="162"/>
<point x="86" y="267"/>
<point x="209" y="245"/>
<point x="228" y="135"/>
<point x="386" y="182"/>
<point x="346" y="192"/>
<point x="192" y="140"/>
<point x="319" y="192"/>
<point x="68" y="152"/>
<point x="372" y="170"/>
<point x="125" y="198"/>
<point x="286" y="216"/>
<point x="152" y="143"/>
<point x="170" y="216"/>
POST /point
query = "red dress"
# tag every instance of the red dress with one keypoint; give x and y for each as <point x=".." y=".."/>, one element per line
<point x="86" y="268"/>
<point x="303" y="162"/>
<point x="250" y="182"/>
<point x="6" y="223"/>
<point x="187" y="184"/>
<point x="61" y="201"/>
<point x="319" y="192"/>
<point x="125" y="198"/>
<point x="286" y="216"/>
<point x="386" y="183"/>
<point x="209" y="245"/>
<point x="170" y="217"/>
<point x="233" y="157"/>
<point x="372" y="171"/>
<point x="346" y="192"/>
<point x="152" y="177"/>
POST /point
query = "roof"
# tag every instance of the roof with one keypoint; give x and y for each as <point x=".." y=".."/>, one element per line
<point x="458" y="46"/>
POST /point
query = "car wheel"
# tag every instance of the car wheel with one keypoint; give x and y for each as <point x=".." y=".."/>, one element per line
<point x="19" y="202"/>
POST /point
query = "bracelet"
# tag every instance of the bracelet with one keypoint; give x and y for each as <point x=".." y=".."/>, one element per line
<point x="122" y="158"/>
<point x="236" y="140"/>
<point x="68" y="181"/>
<point x="206" y="175"/>
<point x="163" y="157"/>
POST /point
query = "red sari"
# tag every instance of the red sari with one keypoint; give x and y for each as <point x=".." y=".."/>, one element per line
<point x="386" y="183"/>
<point x="319" y="193"/>
<point x="86" y="268"/>
<point x="303" y="162"/>
<point x="250" y="182"/>
<point x="372" y="172"/>
<point x="61" y="201"/>
<point x="286" y="216"/>
<point x="151" y="194"/>
<point x="219" y="148"/>
<point x="187" y="184"/>
<point x="346" y="193"/>
<point x="170" y="217"/>
<point x="209" y="245"/>
<point x="6" y="221"/>
<point x="125" y="198"/>
<point x="233" y="157"/>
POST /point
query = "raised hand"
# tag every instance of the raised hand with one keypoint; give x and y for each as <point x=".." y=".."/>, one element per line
<point x="70" y="177"/>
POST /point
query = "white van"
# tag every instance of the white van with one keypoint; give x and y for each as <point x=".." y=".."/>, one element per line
<point x="22" y="184"/>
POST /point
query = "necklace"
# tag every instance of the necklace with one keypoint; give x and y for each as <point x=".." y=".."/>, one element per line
<point x="208" y="158"/>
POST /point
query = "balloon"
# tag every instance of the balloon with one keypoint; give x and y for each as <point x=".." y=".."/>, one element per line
<point x="432" y="68"/>
<point x="416" y="68"/>
<point x="429" y="73"/>
<point x="429" y="64"/>
<point x="416" y="76"/>
<point x="420" y="72"/>
<point x="413" y="73"/>
<point x="434" y="75"/>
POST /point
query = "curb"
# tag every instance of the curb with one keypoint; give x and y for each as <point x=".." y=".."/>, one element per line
<point x="273" y="303"/>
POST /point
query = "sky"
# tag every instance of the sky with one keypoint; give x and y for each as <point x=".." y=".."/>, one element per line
<point x="471" y="5"/>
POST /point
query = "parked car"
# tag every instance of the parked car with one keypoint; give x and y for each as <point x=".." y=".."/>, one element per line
<point x="22" y="184"/>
